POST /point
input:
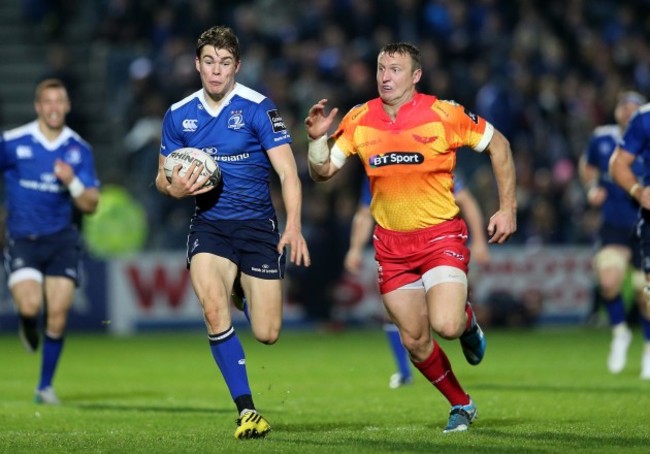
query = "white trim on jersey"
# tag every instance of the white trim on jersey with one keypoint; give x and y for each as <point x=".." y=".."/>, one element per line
<point x="487" y="137"/>
<point x="31" y="128"/>
<point x="238" y="90"/>
<point x="337" y="157"/>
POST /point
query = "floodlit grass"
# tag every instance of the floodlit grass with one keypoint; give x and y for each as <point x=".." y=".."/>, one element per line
<point x="537" y="391"/>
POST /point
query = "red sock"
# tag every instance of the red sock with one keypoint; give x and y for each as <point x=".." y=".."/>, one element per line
<point x="437" y="369"/>
<point x="470" y="315"/>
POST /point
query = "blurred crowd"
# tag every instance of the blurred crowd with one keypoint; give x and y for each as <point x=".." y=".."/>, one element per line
<point x="544" y="72"/>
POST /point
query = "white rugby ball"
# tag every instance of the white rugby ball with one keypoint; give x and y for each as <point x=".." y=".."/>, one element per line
<point x="185" y="157"/>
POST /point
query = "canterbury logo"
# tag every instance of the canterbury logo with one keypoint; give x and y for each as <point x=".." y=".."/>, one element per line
<point x="190" y="125"/>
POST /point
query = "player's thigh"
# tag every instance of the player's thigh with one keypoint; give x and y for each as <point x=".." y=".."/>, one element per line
<point x="264" y="306"/>
<point x="27" y="295"/>
<point x="212" y="278"/>
<point x="408" y="310"/>
<point x="446" y="302"/>
<point x="611" y="263"/>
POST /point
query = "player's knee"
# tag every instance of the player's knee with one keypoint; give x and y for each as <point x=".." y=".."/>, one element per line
<point x="268" y="337"/>
<point x="449" y="329"/>
<point x="419" y="347"/>
<point x="609" y="258"/>
<point x="610" y="266"/>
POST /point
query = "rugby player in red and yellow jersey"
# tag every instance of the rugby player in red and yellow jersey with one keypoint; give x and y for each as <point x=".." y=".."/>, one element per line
<point x="407" y="142"/>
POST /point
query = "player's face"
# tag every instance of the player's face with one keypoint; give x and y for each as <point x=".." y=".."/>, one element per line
<point x="52" y="105"/>
<point x="217" y="68"/>
<point x="395" y="78"/>
<point x="624" y="111"/>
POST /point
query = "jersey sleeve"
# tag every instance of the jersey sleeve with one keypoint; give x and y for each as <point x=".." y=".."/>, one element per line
<point x="635" y="137"/>
<point x="343" y="137"/>
<point x="466" y="127"/>
<point x="86" y="171"/>
<point x="170" y="140"/>
<point x="269" y="125"/>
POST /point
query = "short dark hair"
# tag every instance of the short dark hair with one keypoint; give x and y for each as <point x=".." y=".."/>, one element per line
<point x="219" y="37"/>
<point x="404" y="48"/>
<point x="48" y="83"/>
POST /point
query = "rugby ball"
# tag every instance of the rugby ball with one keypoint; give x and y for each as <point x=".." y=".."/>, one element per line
<point x="185" y="157"/>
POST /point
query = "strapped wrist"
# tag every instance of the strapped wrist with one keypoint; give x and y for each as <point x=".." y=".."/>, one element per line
<point x="318" y="150"/>
<point x="633" y="189"/>
<point x="76" y="187"/>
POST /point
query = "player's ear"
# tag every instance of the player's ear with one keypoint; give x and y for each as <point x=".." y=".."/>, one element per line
<point x="197" y="64"/>
<point x="417" y="75"/>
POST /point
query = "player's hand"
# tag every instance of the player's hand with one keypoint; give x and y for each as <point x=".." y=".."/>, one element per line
<point x="298" y="251"/>
<point x="353" y="261"/>
<point x="596" y="196"/>
<point x="502" y="226"/>
<point x="317" y="123"/>
<point x="63" y="171"/>
<point x="190" y="184"/>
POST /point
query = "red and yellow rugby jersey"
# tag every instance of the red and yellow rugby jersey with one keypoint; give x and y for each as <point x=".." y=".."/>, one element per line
<point x="410" y="161"/>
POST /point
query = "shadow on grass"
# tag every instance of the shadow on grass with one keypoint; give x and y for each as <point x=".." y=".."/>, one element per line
<point x="544" y="388"/>
<point x="569" y="439"/>
<point x="370" y="441"/>
<point x="125" y="407"/>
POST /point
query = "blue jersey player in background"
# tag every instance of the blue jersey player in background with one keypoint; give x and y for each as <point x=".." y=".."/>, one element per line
<point x="617" y="246"/>
<point x="633" y="147"/>
<point x="362" y="226"/>
<point x="234" y="234"/>
<point x="47" y="168"/>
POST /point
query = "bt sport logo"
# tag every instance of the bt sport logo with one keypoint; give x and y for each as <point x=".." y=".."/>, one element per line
<point x="395" y="158"/>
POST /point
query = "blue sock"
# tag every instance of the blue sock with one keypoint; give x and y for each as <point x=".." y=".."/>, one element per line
<point x="51" y="353"/>
<point x="645" y="327"/>
<point x="399" y="352"/>
<point x="615" y="310"/>
<point x="228" y="353"/>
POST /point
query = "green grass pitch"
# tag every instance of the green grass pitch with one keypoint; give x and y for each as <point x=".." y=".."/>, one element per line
<point x="542" y="391"/>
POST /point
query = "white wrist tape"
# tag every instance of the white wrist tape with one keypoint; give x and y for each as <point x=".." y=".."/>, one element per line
<point x="318" y="151"/>
<point x="76" y="187"/>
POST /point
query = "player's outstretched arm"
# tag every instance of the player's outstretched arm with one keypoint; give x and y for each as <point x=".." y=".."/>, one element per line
<point x="317" y="124"/>
<point x="503" y="223"/>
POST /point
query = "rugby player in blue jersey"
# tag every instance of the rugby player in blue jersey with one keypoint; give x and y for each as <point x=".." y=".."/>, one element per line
<point x="47" y="168"/>
<point x="234" y="233"/>
<point x="362" y="225"/>
<point x="617" y="245"/>
<point x="632" y="148"/>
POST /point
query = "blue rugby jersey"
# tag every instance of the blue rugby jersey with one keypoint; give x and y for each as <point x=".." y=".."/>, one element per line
<point x="636" y="140"/>
<point x="619" y="209"/>
<point x="37" y="202"/>
<point x="237" y="136"/>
